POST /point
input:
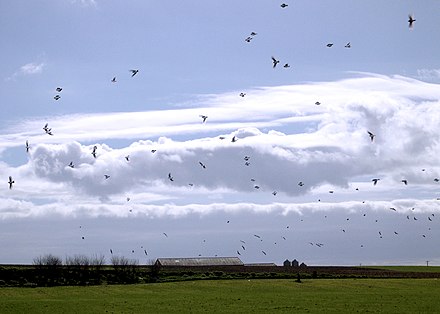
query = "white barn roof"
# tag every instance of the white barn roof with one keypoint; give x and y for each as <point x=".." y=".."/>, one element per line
<point x="200" y="261"/>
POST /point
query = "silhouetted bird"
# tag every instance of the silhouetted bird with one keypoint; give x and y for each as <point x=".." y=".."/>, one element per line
<point x="283" y="5"/>
<point x="411" y="21"/>
<point x="371" y="135"/>
<point x="264" y="252"/>
<point x="94" y="151"/>
<point x="106" y="176"/>
<point x="165" y="234"/>
<point x="405" y="182"/>
<point x="71" y="165"/>
<point x="375" y="181"/>
<point x="317" y="103"/>
<point x="203" y="118"/>
<point x="10" y="182"/>
<point x="59" y="89"/>
<point x="127" y="157"/>
<point x="134" y="72"/>
<point x="242" y="94"/>
<point x="329" y="45"/>
<point x="275" y="62"/>
<point x="170" y="177"/>
<point x="300" y="183"/>
<point x="286" y="65"/>
<point x="248" y="39"/>
<point x="57" y="97"/>
<point x="114" y="79"/>
<point x="348" y="45"/>
<point x="202" y="164"/>
<point x="27" y="147"/>
<point x="274" y="193"/>
<point x="238" y="252"/>
<point x="234" y="139"/>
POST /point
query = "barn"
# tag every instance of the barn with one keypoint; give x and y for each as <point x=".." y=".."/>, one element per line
<point x="199" y="261"/>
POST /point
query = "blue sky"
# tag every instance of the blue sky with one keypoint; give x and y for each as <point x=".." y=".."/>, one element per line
<point x="193" y="60"/>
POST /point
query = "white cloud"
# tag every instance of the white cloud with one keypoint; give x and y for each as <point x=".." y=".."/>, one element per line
<point x="287" y="137"/>
<point x="432" y="75"/>
<point x="32" y="68"/>
<point x="85" y="3"/>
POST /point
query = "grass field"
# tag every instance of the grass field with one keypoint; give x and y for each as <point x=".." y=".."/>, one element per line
<point x="232" y="296"/>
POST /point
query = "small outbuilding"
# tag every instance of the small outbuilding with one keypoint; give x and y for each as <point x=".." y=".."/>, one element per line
<point x="295" y="263"/>
<point x="287" y="263"/>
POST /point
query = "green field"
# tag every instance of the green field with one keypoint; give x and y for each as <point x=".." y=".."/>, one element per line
<point x="232" y="296"/>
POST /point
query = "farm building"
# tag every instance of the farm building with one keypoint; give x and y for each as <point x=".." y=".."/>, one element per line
<point x="199" y="261"/>
<point x="287" y="263"/>
<point x="261" y="264"/>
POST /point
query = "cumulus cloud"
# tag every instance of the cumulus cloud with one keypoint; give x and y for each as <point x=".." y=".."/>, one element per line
<point x="285" y="137"/>
<point x="28" y="69"/>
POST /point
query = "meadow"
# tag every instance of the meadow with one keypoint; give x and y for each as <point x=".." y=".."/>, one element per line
<point x="232" y="296"/>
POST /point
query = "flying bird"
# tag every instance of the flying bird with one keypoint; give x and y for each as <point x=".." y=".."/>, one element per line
<point x="170" y="177"/>
<point x="283" y="5"/>
<point x="348" y="45"/>
<point x="274" y="193"/>
<point x="234" y="139"/>
<point x="165" y="234"/>
<point x="375" y="181"/>
<point x="57" y="97"/>
<point x="106" y="176"/>
<point x="275" y="62"/>
<point x="203" y="118"/>
<point x="329" y="45"/>
<point x="202" y="164"/>
<point x="71" y="165"/>
<point x="300" y="183"/>
<point x="114" y="79"/>
<point x="10" y="182"/>
<point x="257" y="236"/>
<point x="134" y="72"/>
<point x="59" y="89"/>
<point x="253" y="34"/>
<point x="286" y="65"/>
<point x="248" y="39"/>
<point x="127" y="157"/>
<point x="242" y="94"/>
<point x="264" y="252"/>
<point x="411" y="21"/>
<point x="371" y="135"/>
<point x="317" y="103"/>
<point x="238" y="252"/>
<point x="27" y="147"/>
<point x="94" y="151"/>
<point x="405" y="182"/>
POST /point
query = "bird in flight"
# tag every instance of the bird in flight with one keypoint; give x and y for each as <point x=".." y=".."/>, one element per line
<point x="203" y="118"/>
<point x="274" y="193"/>
<point x="329" y="45"/>
<point x="165" y="234"/>
<point x="27" y="147"/>
<point x="300" y="183"/>
<point x="106" y="176"/>
<point x="317" y="103"/>
<point x="202" y="164"/>
<point x="127" y="157"/>
<point x="371" y="135"/>
<point x="404" y="181"/>
<point x="71" y="165"/>
<point x="242" y="94"/>
<point x="170" y="177"/>
<point x="411" y="21"/>
<point x="47" y="129"/>
<point x="375" y="181"/>
<point x="234" y="139"/>
<point x="59" y="89"/>
<point x="348" y="45"/>
<point x="10" y="182"/>
<point x="283" y="5"/>
<point x="286" y="66"/>
<point x="114" y="79"/>
<point x="134" y="72"/>
<point x="264" y="252"/>
<point x="94" y="151"/>
<point x="57" y="97"/>
<point x="275" y="62"/>
<point x="248" y="39"/>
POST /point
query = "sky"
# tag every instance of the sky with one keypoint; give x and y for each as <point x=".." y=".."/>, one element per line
<point x="281" y="168"/>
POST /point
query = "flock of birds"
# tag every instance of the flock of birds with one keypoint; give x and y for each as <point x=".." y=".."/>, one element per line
<point x="247" y="159"/>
